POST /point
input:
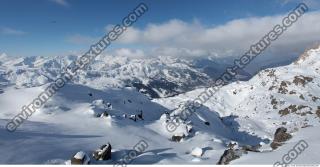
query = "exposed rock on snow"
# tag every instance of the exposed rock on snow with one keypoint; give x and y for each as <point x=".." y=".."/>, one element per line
<point x="301" y="80"/>
<point x="318" y="111"/>
<point x="229" y="155"/>
<point x="104" y="153"/>
<point x="244" y="112"/>
<point x="80" y="158"/>
<point x="178" y="137"/>
<point x="280" y="137"/>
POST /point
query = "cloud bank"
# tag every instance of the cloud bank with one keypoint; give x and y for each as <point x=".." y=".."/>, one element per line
<point x="228" y="39"/>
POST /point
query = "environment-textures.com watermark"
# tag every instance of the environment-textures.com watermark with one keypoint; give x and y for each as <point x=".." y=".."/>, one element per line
<point x="292" y="154"/>
<point x="140" y="147"/>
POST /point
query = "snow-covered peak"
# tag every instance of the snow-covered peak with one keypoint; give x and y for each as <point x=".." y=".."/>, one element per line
<point x="309" y="57"/>
<point x="156" y="77"/>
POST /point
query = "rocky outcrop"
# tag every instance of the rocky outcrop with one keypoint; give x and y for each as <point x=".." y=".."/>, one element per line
<point x="235" y="151"/>
<point x="301" y="80"/>
<point x="280" y="137"/>
<point x="80" y="158"/>
<point x="177" y="137"/>
<point x="229" y="155"/>
<point x="294" y="109"/>
<point x="104" y="153"/>
<point x="318" y="111"/>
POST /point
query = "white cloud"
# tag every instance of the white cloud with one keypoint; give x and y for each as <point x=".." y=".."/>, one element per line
<point x="227" y="39"/>
<point x="10" y="31"/>
<point x="61" y="2"/>
<point x="128" y="52"/>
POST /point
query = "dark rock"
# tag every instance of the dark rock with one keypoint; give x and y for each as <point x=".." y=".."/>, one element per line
<point x="207" y="123"/>
<point x="275" y="145"/>
<point x="229" y="155"/>
<point x="104" y="153"/>
<point x="80" y="158"/>
<point x="301" y="80"/>
<point x="318" y="112"/>
<point x="105" y="114"/>
<point x="177" y="138"/>
<point x="140" y="115"/>
<point x="280" y="137"/>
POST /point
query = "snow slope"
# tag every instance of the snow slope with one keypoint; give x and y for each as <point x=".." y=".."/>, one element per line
<point x="247" y="112"/>
<point x="68" y="124"/>
<point x="285" y="96"/>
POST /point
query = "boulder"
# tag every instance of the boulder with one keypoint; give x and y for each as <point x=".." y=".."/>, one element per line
<point x="318" y="112"/>
<point x="140" y="115"/>
<point x="178" y="137"/>
<point x="104" y="153"/>
<point x="229" y="155"/>
<point x="280" y="137"/>
<point x="80" y="158"/>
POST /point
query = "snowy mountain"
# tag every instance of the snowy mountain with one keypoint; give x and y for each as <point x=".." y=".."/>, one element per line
<point x="98" y="108"/>
<point x="285" y="96"/>
<point x="155" y="77"/>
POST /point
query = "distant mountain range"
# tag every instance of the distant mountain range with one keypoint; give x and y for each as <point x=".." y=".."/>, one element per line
<point x="155" y="77"/>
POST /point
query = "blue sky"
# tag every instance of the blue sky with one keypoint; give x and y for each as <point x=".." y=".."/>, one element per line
<point x="53" y="27"/>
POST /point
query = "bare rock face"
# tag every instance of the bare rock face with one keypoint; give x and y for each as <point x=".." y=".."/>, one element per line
<point x="104" y="153"/>
<point x="301" y="80"/>
<point x="80" y="158"/>
<point x="235" y="151"/>
<point x="318" y="112"/>
<point x="280" y="137"/>
<point x="229" y="155"/>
